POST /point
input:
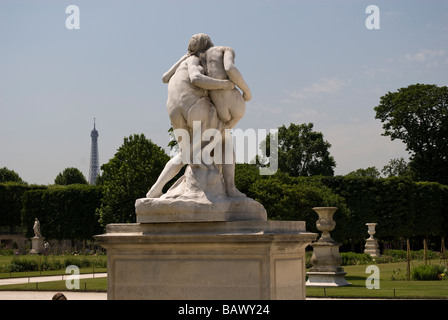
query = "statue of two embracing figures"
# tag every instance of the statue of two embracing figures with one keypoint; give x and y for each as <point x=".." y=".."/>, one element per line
<point x="204" y="104"/>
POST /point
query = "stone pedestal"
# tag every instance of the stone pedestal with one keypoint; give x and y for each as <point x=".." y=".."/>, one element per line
<point x="37" y="245"/>
<point x="234" y="260"/>
<point x="372" y="246"/>
<point x="326" y="260"/>
<point x="326" y="270"/>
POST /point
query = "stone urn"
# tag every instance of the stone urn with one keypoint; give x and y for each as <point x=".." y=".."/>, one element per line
<point x="325" y="223"/>
<point x="326" y="260"/>
<point x="371" y="229"/>
<point x="372" y="247"/>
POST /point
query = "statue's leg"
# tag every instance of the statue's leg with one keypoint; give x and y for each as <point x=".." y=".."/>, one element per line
<point x="171" y="169"/>
<point x="200" y="112"/>
<point x="237" y="108"/>
<point x="174" y="165"/>
<point x="228" y="172"/>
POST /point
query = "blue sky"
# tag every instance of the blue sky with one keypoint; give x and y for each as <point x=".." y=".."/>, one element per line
<point x="305" y="61"/>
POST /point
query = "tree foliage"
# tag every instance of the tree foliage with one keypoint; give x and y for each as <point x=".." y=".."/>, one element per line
<point x="396" y="168"/>
<point x="246" y="175"/>
<point x="7" y="175"/>
<point x="418" y="115"/>
<point x="369" y="172"/>
<point x="302" y="151"/>
<point x="128" y="176"/>
<point x="70" y="176"/>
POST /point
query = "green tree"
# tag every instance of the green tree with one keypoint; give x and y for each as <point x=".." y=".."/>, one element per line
<point x="418" y="115"/>
<point x="245" y="176"/>
<point x="371" y="172"/>
<point x="7" y="175"/>
<point x="128" y="176"/>
<point x="302" y="151"/>
<point x="70" y="176"/>
<point x="396" y="168"/>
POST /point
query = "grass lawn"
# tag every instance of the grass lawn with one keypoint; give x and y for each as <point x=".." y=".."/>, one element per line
<point x="94" y="260"/>
<point x="388" y="288"/>
<point x="95" y="284"/>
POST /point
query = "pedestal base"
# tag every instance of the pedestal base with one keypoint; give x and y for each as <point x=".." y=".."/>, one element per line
<point x="326" y="261"/>
<point x="372" y="248"/>
<point x="37" y="245"/>
<point x="327" y="279"/>
<point x="206" y="260"/>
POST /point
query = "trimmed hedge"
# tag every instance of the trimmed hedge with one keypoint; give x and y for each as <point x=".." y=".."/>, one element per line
<point x="351" y="258"/>
<point x="401" y="255"/>
<point x="292" y="199"/>
<point x="64" y="212"/>
<point x="401" y="207"/>
<point x="11" y="194"/>
<point x="46" y="264"/>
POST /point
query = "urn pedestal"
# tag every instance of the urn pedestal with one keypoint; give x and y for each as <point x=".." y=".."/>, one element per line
<point x="326" y="260"/>
<point x="372" y="246"/>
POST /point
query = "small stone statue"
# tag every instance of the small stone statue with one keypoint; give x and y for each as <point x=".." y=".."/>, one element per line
<point x="36" y="228"/>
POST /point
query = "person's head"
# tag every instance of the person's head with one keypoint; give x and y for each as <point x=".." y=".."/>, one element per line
<point x="59" y="296"/>
<point x="199" y="43"/>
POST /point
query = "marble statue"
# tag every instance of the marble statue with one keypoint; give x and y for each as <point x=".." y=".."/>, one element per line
<point x="36" y="229"/>
<point x="37" y="242"/>
<point x="203" y="238"/>
<point x="203" y="88"/>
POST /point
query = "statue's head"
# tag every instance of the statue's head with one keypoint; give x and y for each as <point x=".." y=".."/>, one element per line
<point x="199" y="43"/>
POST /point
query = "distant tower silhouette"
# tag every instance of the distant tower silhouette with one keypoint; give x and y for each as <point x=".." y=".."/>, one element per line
<point x="94" y="159"/>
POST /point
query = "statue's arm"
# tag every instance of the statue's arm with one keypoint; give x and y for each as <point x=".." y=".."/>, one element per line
<point x="167" y="75"/>
<point x="234" y="74"/>
<point x="203" y="81"/>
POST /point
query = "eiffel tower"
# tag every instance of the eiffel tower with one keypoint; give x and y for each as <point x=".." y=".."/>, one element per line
<point x="94" y="158"/>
